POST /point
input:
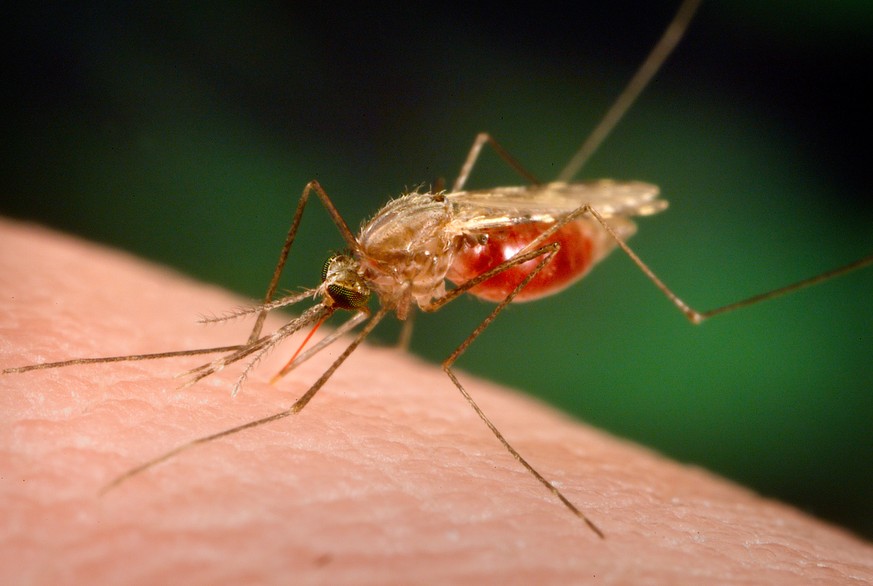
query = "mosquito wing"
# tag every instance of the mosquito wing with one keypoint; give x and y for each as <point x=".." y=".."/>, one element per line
<point x="503" y="206"/>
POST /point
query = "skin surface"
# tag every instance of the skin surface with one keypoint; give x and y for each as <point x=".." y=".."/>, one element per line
<point x="386" y="477"/>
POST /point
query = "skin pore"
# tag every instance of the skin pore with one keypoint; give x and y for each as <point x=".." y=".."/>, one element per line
<point x="386" y="477"/>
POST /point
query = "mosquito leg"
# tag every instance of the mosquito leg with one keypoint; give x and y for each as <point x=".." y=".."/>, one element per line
<point x="291" y="299"/>
<point x="293" y="410"/>
<point x="697" y="317"/>
<point x="546" y="252"/>
<point x="549" y="486"/>
<point x="406" y="331"/>
<point x="656" y="58"/>
<point x="289" y="240"/>
<point x="131" y="357"/>
<point x="659" y="53"/>
<point x="473" y="156"/>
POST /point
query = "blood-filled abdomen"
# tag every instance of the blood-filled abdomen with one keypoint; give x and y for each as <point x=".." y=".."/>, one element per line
<point x="583" y="243"/>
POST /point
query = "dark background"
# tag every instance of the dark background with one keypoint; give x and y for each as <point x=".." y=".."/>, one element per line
<point x="186" y="134"/>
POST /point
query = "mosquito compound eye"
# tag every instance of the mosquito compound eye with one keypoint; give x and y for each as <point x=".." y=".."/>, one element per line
<point x="348" y="297"/>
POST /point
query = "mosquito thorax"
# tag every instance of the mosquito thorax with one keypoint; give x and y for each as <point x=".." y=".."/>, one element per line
<point x="342" y="285"/>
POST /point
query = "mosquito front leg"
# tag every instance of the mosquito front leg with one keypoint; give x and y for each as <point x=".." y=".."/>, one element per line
<point x="334" y="214"/>
<point x="293" y="410"/>
<point x="695" y="316"/>
<point x="128" y="358"/>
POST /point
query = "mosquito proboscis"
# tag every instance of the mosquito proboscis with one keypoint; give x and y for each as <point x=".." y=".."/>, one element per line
<point x="502" y="244"/>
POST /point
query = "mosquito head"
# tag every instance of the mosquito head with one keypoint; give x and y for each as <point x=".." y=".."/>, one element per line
<point x="342" y="285"/>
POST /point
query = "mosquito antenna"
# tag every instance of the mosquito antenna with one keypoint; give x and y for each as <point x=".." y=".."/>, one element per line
<point x="665" y="45"/>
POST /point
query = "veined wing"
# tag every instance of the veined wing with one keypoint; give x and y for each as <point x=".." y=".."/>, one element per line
<point x="502" y="206"/>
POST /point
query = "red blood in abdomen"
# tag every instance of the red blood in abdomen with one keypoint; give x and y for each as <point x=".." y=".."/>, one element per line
<point x="569" y="265"/>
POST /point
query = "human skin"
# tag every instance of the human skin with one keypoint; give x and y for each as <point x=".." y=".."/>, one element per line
<point x="387" y="476"/>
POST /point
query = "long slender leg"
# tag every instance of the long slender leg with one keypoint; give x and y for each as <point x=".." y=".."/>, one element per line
<point x="293" y="410"/>
<point x="656" y="58"/>
<point x="481" y="139"/>
<point x="130" y="357"/>
<point x="268" y="297"/>
<point x="406" y="330"/>
<point x="291" y="299"/>
<point x="546" y="252"/>
<point x="289" y="240"/>
<point x="695" y="316"/>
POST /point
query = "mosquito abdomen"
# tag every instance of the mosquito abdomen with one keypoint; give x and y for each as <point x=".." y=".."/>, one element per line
<point x="583" y="244"/>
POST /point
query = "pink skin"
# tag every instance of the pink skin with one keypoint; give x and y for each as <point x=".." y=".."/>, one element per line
<point x="386" y="477"/>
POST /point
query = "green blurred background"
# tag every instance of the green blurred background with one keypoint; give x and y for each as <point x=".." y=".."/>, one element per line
<point x="185" y="134"/>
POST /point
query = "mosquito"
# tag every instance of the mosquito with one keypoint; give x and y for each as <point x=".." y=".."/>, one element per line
<point x="504" y="245"/>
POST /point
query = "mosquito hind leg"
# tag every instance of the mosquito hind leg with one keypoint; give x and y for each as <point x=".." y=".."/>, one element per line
<point x="695" y="316"/>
